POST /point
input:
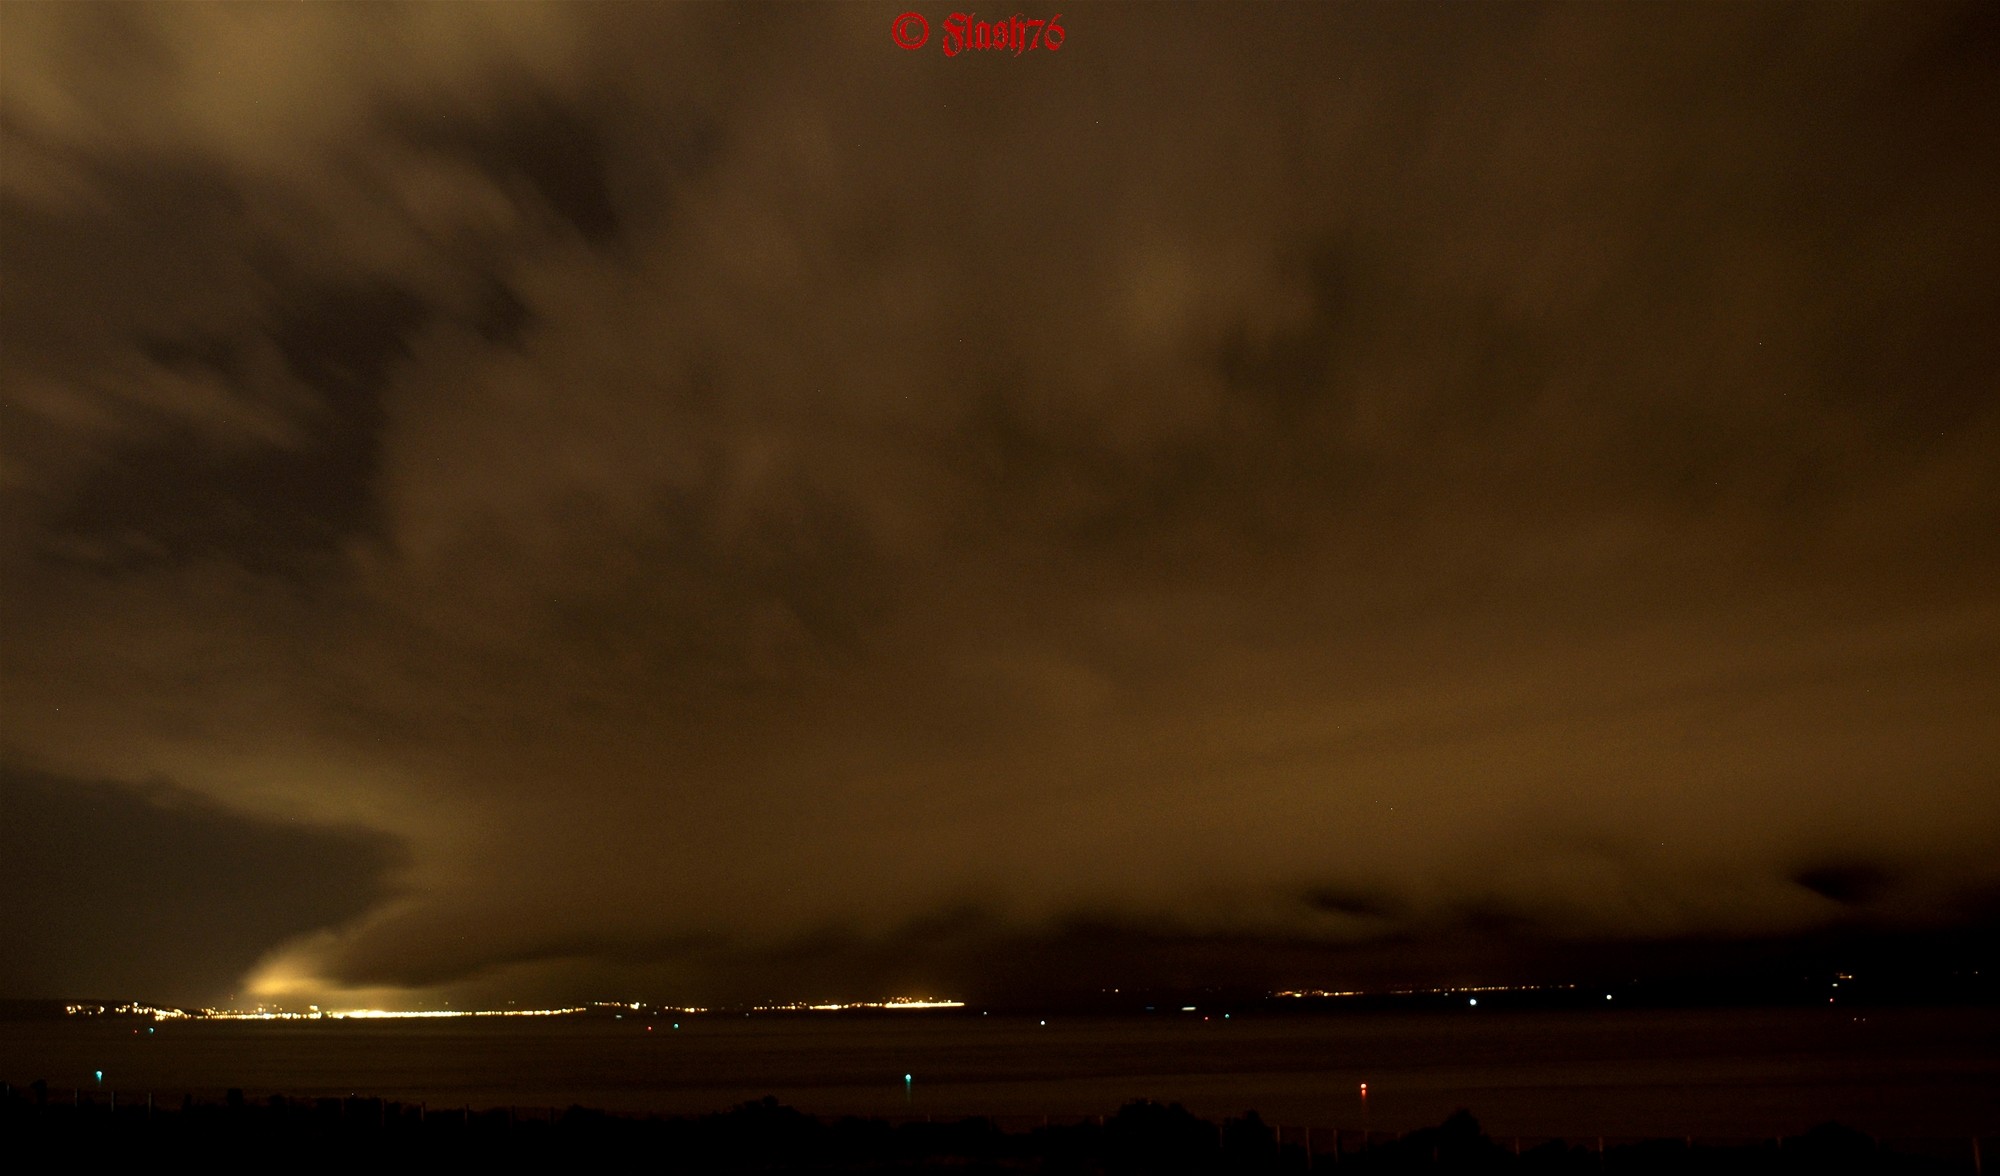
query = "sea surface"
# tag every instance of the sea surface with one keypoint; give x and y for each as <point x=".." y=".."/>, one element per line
<point x="1716" y="1075"/>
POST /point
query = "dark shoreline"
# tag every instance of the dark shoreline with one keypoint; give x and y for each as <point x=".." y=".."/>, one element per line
<point x="765" y="1136"/>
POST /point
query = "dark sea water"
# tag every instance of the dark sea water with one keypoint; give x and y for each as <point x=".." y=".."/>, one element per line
<point x="1896" y="1073"/>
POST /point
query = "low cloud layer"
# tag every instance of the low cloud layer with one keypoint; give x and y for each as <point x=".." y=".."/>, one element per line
<point x="113" y="890"/>
<point x="751" y="508"/>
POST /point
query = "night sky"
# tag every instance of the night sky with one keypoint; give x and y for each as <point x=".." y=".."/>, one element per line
<point x="547" y="503"/>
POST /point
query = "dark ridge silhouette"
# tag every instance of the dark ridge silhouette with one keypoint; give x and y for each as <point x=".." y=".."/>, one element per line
<point x="1142" y="1139"/>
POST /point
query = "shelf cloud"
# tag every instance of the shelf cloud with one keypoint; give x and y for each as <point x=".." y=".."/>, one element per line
<point x="686" y="503"/>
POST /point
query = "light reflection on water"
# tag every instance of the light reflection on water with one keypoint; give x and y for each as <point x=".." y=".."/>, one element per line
<point x="1715" y="1074"/>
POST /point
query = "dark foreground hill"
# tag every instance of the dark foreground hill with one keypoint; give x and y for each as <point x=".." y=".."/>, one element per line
<point x="359" y="1134"/>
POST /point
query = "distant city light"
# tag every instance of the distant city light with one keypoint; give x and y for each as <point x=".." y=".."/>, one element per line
<point x="1457" y="990"/>
<point x="901" y="1002"/>
<point x="315" y="1013"/>
<point x="388" y="1014"/>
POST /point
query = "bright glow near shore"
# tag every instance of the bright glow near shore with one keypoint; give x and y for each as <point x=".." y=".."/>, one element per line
<point x="317" y="1014"/>
<point x="387" y="1014"/>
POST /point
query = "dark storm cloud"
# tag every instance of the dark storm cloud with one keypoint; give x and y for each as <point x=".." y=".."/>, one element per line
<point x="752" y="507"/>
<point x="1854" y="884"/>
<point x="170" y="497"/>
<point x="535" y="142"/>
<point x="115" y="890"/>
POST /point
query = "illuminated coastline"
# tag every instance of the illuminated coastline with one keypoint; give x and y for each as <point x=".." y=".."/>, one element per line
<point x="904" y="1002"/>
<point x="158" y="1013"/>
<point x="615" y="1008"/>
